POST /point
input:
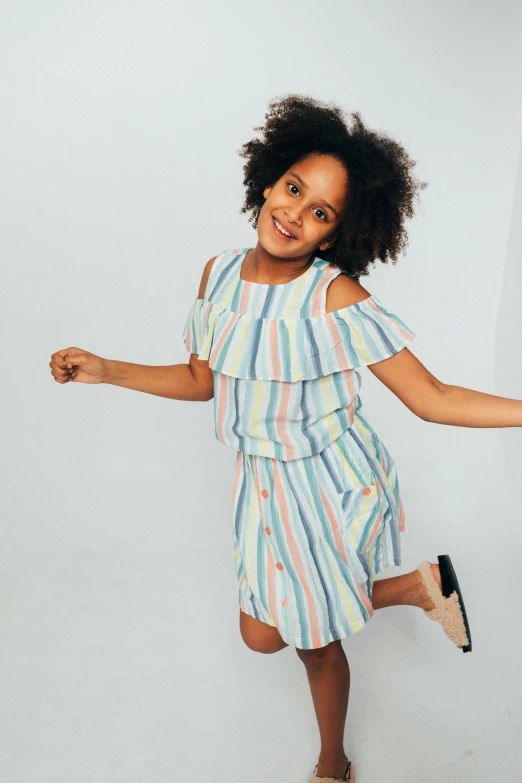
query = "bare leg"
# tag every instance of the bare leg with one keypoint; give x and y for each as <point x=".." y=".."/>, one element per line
<point x="407" y="589"/>
<point x="329" y="673"/>
<point x="329" y="678"/>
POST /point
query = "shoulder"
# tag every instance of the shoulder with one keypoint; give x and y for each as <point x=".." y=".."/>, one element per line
<point x="344" y="291"/>
<point x="205" y="276"/>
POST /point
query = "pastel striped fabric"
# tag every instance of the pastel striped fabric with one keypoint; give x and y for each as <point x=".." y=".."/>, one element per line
<point x="293" y="349"/>
<point x="285" y="379"/>
<point x="310" y="535"/>
<point x="317" y="509"/>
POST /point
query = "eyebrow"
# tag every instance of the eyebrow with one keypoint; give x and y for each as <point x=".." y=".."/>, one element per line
<point x="303" y="183"/>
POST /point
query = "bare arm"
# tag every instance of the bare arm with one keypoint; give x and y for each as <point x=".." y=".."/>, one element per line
<point x="419" y="389"/>
<point x="175" y="381"/>
<point x="469" y="408"/>
<point x="443" y="403"/>
<point x="192" y="381"/>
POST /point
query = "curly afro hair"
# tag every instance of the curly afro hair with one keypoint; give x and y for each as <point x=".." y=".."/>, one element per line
<point x="382" y="187"/>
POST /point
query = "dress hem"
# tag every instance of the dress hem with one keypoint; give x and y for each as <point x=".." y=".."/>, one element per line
<point x="336" y="634"/>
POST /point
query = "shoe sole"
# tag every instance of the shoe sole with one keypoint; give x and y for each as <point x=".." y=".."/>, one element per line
<point x="449" y="584"/>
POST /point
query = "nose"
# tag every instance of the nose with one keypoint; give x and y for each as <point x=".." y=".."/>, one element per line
<point x="294" y="214"/>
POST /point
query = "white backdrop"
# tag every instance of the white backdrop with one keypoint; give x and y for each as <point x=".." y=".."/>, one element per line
<point x="121" y="656"/>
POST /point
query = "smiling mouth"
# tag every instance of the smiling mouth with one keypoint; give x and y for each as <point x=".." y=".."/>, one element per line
<point x="282" y="231"/>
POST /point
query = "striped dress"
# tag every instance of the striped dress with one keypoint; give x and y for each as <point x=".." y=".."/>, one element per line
<point x="316" y="504"/>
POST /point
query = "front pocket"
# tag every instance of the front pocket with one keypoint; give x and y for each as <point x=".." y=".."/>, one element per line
<point x="362" y="519"/>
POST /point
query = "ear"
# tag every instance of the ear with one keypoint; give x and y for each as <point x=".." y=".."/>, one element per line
<point x="266" y="192"/>
<point x="327" y="244"/>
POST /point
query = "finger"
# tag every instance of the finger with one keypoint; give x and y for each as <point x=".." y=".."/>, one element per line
<point x="58" y="370"/>
<point x="66" y="357"/>
<point x="75" y="359"/>
<point x="69" y="362"/>
<point x="62" y="378"/>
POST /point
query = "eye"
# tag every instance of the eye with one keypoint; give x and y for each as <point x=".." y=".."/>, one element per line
<point x="324" y="215"/>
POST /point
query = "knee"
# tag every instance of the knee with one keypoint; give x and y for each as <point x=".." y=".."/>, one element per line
<point x="264" y="646"/>
<point x="260" y="637"/>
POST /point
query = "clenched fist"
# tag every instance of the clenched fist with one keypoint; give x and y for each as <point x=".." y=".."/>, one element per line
<point x="74" y="364"/>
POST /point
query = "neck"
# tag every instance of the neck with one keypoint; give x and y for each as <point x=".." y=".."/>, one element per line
<point x="259" y="266"/>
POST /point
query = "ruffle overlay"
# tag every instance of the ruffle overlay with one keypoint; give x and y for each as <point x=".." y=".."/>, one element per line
<point x="287" y="349"/>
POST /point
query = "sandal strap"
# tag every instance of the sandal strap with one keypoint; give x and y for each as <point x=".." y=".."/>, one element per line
<point x="344" y="778"/>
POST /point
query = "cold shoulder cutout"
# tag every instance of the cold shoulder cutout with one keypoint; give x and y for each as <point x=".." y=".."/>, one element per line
<point x="344" y="291"/>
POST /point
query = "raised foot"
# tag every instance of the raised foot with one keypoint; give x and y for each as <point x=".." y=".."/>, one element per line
<point x="425" y="601"/>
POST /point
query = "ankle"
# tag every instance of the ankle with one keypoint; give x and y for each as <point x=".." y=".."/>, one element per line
<point x="332" y="759"/>
<point x="412" y="592"/>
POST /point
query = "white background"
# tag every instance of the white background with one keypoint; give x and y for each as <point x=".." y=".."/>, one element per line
<point x="121" y="656"/>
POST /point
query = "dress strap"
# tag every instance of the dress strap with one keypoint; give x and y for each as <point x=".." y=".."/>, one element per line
<point x="318" y="302"/>
<point x="224" y="266"/>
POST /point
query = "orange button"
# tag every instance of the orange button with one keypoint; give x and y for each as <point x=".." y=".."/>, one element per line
<point x="280" y="566"/>
<point x="265" y="493"/>
<point x="366" y="491"/>
<point x="267" y="530"/>
<point x="284" y="601"/>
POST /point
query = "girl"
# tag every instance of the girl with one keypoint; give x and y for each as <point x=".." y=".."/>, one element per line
<point x="275" y="336"/>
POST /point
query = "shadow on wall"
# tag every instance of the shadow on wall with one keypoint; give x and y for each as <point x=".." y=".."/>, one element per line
<point x="508" y="347"/>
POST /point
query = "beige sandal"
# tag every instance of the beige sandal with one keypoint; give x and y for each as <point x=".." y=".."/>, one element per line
<point x="349" y="775"/>
<point x="449" y="608"/>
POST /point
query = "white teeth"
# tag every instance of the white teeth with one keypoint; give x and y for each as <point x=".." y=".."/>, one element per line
<point x="282" y="230"/>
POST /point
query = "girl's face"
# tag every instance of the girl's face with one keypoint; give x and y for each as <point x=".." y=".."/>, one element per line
<point x="308" y="202"/>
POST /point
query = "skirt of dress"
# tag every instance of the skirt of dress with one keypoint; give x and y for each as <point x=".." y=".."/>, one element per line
<point x="310" y="535"/>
